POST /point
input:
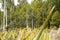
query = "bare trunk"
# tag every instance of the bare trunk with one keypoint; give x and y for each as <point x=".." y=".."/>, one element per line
<point x="27" y="19"/>
<point x="32" y="21"/>
<point x="4" y="16"/>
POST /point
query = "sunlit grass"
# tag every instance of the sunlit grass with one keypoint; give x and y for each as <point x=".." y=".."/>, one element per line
<point x="24" y="34"/>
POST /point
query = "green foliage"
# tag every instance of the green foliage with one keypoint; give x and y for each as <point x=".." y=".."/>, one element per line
<point x="39" y="9"/>
<point x="55" y="19"/>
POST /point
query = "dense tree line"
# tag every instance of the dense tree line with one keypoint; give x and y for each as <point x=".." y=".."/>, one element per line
<point x="38" y="11"/>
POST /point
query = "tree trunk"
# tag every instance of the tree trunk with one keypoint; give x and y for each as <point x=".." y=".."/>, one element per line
<point x="4" y="16"/>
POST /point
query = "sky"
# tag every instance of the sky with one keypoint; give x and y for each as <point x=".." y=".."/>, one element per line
<point x="43" y="0"/>
<point x="29" y="1"/>
<point x="15" y="3"/>
<point x="0" y="5"/>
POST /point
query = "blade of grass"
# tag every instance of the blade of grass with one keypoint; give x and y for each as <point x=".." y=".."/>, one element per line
<point x="44" y="24"/>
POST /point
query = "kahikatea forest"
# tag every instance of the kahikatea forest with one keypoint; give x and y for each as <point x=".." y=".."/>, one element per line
<point x="29" y="19"/>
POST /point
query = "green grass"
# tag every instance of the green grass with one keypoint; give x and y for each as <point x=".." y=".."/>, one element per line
<point x="24" y="34"/>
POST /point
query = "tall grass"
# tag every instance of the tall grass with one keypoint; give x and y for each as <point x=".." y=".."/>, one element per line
<point x="44" y="24"/>
<point x="24" y="34"/>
